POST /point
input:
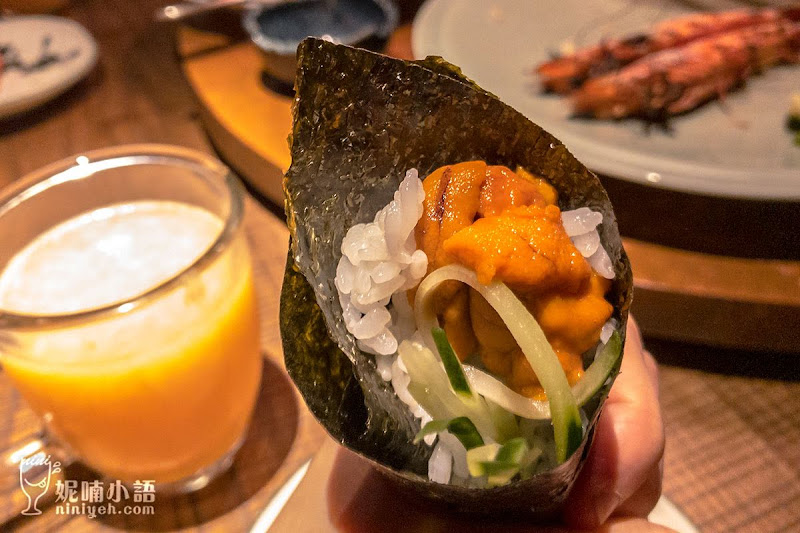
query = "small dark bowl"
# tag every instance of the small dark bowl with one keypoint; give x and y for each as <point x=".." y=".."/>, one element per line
<point x="277" y="30"/>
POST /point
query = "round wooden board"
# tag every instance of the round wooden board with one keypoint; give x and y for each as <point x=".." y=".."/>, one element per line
<point x="680" y="295"/>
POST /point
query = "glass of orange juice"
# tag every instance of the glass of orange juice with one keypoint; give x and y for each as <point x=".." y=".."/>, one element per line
<point x="128" y="317"/>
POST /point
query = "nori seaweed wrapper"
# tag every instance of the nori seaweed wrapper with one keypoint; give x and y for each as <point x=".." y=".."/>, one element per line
<point x="360" y="121"/>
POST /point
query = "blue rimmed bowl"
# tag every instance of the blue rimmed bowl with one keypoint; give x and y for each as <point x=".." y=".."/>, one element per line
<point x="278" y="29"/>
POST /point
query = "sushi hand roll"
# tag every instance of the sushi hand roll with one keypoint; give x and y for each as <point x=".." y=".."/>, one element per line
<point x="456" y="293"/>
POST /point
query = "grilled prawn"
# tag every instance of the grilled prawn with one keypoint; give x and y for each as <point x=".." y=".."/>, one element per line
<point x="677" y="80"/>
<point x="566" y="73"/>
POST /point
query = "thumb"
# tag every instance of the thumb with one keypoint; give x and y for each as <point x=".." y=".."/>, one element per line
<point x="623" y="463"/>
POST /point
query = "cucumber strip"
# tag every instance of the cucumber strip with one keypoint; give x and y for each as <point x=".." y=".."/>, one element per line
<point x="421" y="365"/>
<point x="424" y="371"/>
<point x="465" y="431"/>
<point x="499" y="463"/>
<point x="461" y="428"/>
<point x="424" y="368"/>
<point x="451" y="363"/>
<point x="432" y="405"/>
<point x="499" y="472"/>
<point x="513" y="450"/>
<point x="477" y="456"/>
<point x="530" y="338"/>
<point x="587" y="386"/>
<point x="434" y="426"/>
<point x="507" y="463"/>
<point x="528" y="463"/>
<point x="598" y="372"/>
<point x="505" y="421"/>
<point x="496" y="391"/>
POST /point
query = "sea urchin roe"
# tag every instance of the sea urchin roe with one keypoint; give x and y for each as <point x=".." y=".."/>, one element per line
<point x="571" y="322"/>
<point x="455" y="195"/>
<point x="505" y="226"/>
<point x="525" y="247"/>
<point x="503" y="190"/>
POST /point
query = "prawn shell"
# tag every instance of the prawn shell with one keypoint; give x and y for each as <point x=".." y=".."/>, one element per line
<point x="360" y="120"/>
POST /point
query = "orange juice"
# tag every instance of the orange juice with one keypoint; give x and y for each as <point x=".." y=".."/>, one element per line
<point x="158" y="391"/>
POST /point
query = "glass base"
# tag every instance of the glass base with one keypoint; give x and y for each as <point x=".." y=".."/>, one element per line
<point x="202" y="477"/>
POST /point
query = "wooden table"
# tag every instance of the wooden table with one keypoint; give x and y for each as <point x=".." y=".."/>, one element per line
<point x="138" y="94"/>
<point x="732" y="417"/>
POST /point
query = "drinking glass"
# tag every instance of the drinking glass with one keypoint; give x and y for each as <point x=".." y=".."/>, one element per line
<point x="158" y="386"/>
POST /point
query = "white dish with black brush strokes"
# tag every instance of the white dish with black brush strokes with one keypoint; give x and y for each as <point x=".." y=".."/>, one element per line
<point x="42" y="57"/>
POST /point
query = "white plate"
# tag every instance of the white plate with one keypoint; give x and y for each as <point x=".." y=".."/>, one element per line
<point x="21" y="91"/>
<point x="739" y="149"/>
<point x="668" y="515"/>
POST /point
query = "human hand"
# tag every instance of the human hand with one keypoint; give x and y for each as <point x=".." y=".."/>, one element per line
<point x="622" y="474"/>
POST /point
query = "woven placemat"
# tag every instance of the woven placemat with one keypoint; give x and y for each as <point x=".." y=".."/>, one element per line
<point x="732" y="460"/>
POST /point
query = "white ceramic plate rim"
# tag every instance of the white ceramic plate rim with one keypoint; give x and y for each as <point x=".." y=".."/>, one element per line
<point x="638" y="167"/>
<point x="72" y="74"/>
<point x="669" y="515"/>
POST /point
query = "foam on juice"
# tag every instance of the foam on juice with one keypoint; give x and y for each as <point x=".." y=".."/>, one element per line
<point x="105" y="256"/>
